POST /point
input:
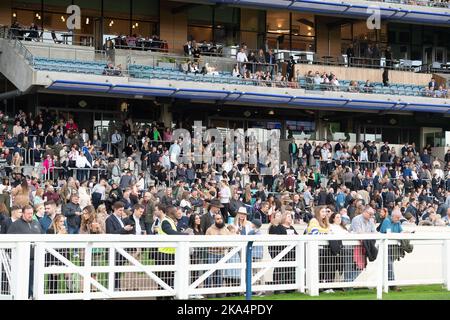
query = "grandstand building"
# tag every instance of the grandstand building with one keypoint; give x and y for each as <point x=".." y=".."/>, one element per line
<point x="134" y="57"/>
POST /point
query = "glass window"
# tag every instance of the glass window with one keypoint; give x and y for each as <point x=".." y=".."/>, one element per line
<point x="200" y="23"/>
<point x="26" y="17"/>
<point x="117" y="9"/>
<point x="200" y="34"/>
<point x="57" y="5"/>
<point x="114" y="27"/>
<point x="201" y="15"/>
<point x="27" y="4"/>
<point x="55" y="21"/>
<point x="226" y="15"/>
<point x="91" y="5"/>
<point x="145" y="9"/>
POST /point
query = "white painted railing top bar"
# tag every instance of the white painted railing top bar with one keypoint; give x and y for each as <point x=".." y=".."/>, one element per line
<point x="115" y="266"/>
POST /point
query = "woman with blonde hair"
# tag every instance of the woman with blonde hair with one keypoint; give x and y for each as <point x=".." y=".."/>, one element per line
<point x="84" y="195"/>
<point x="319" y="224"/>
<point x="58" y="225"/>
<point x="102" y="215"/>
<point x="38" y="197"/>
<point x="89" y="223"/>
<point x="243" y="226"/>
<point x="21" y="194"/>
<point x="17" y="163"/>
<point x="39" y="211"/>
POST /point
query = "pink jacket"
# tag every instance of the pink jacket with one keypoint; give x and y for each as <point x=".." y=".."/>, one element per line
<point x="48" y="166"/>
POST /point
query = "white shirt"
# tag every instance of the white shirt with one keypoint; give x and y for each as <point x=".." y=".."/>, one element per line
<point x="363" y="156"/>
<point x="225" y="195"/>
<point x="85" y="137"/>
<point x="317" y="80"/>
<point x="227" y="166"/>
<point x="241" y="57"/>
<point x="137" y="225"/>
<point x="98" y="188"/>
<point x="82" y="162"/>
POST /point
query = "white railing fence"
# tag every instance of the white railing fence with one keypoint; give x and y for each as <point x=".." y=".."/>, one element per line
<point x="114" y="266"/>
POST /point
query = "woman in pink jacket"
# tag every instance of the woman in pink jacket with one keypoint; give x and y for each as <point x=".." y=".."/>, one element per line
<point x="49" y="164"/>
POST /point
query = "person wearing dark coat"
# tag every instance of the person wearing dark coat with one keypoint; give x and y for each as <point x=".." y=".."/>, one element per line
<point x="135" y="220"/>
<point x="26" y="225"/>
<point x="322" y="197"/>
<point x="207" y="219"/>
<point x="72" y="212"/>
<point x="114" y="223"/>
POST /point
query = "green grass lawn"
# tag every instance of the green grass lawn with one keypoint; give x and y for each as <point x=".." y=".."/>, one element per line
<point x="430" y="292"/>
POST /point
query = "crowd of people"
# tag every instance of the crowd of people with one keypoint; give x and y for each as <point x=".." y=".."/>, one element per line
<point x="433" y="89"/>
<point x="137" y="42"/>
<point x="74" y="185"/>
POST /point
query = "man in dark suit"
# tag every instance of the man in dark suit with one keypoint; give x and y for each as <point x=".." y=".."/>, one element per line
<point x="307" y="147"/>
<point x="432" y="85"/>
<point x="293" y="152"/>
<point x="207" y="219"/>
<point x="135" y="220"/>
<point x="350" y="54"/>
<point x="114" y="223"/>
<point x="270" y="60"/>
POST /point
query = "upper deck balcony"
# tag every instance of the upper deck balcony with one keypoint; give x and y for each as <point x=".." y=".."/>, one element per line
<point x="409" y="11"/>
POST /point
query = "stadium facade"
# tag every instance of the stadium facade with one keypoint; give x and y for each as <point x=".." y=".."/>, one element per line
<point x="64" y="70"/>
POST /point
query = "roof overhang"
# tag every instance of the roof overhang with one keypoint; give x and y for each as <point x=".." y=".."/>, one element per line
<point x="261" y="99"/>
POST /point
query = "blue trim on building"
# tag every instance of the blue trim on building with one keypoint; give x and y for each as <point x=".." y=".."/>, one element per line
<point x="254" y="97"/>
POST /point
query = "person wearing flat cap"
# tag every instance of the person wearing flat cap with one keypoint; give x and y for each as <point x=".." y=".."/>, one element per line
<point x="241" y="222"/>
<point x="207" y="219"/>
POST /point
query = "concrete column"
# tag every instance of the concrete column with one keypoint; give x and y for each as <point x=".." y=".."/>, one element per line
<point x="166" y="115"/>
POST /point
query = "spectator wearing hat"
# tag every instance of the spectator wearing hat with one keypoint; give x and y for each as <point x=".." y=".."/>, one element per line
<point x="243" y="226"/>
<point x="207" y="219"/>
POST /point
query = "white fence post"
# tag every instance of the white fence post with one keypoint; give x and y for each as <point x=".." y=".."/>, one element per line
<point x="300" y="274"/>
<point x="181" y="283"/>
<point x="385" y="252"/>
<point x="446" y="263"/>
<point x="380" y="269"/>
<point x="111" y="264"/>
<point x="87" y="271"/>
<point x="39" y="275"/>
<point x="312" y="267"/>
<point x="20" y="268"/>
